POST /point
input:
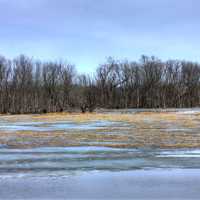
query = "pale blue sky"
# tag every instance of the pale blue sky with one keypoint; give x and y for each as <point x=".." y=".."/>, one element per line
<point x="85" y="32"/>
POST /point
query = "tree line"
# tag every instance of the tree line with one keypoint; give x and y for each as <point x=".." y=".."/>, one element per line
<point x="33" y="86"/>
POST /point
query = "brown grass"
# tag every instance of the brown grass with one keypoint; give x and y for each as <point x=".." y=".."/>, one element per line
<point x="147" y="129"/>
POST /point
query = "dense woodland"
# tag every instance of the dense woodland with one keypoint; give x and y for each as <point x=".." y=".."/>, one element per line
<point x="32" y="86"/>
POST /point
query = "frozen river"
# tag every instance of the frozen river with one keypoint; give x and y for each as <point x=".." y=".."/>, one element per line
<point x="71" y="160"/>
<point x="106" y="156"/>
<point x="99" y="173"/>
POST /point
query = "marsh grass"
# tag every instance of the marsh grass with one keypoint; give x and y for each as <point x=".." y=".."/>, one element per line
<point x="147" y="129"/>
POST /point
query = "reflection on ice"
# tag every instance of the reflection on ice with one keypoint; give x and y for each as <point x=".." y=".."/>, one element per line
<point x="81" y="149"/>
<point x="62" y="161"/>
<point x="180" y="154"/>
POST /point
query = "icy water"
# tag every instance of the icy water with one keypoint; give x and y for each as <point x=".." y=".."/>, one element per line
<point x="62" y="161"/>
<point x="72" y="160"/>
<point x="34" y="164"/>
<point x="55" y="126"/>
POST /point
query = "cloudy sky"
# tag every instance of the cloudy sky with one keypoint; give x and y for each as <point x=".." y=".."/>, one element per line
<point x="85" y="32"/>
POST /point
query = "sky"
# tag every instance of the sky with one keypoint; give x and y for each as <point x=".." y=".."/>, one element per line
<point x="86" y="32"/>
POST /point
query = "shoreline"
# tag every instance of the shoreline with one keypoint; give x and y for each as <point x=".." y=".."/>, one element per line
<point x="110" y="110"/>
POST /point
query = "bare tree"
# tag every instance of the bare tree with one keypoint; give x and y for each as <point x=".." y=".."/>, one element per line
<point x="29" y="86"/>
